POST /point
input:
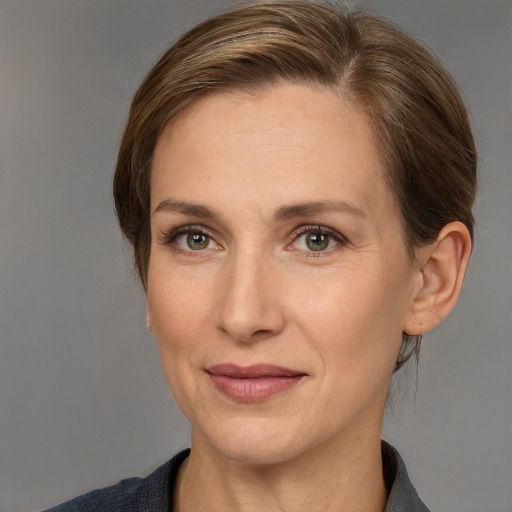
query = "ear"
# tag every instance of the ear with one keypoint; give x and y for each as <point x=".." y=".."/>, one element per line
<point x="442" y="266"/>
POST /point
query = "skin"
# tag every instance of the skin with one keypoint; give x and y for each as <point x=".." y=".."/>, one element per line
<point x="255" y="292"/>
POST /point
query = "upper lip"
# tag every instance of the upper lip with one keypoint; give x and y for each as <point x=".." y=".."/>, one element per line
<point x="253" y="371"/>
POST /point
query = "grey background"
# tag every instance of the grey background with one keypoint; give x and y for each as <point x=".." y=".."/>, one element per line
<point x="83" y="401"/>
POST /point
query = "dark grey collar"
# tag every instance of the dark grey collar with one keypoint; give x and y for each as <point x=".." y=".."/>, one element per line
<point x="154" y="493"/>
<point x="402" y="496"/>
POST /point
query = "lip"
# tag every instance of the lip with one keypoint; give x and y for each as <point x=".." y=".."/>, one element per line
<point x="253" y="383"/>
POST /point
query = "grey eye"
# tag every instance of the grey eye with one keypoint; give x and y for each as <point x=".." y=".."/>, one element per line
<point x="197" y="241"/>
<point x="317" y="241"/>
<point x="192" y="238"/>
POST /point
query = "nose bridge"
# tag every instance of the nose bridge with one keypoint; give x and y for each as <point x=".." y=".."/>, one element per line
<point x="249" y="308"/>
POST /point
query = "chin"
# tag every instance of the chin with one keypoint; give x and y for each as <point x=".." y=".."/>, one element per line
<point x="257" y="442"/>
<point x="256" y="454"/>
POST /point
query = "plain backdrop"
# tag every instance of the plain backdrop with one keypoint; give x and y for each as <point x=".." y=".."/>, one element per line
<point x="83" y="402"/>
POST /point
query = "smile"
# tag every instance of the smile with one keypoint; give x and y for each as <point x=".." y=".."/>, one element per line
<point x="253" y="383"/>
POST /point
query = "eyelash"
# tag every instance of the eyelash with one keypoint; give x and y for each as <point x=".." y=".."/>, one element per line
<point x="170" y="238"/>
<point x="318" y="230"/>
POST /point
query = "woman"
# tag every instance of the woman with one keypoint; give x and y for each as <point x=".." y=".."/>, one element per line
<point x="297" y="183"/>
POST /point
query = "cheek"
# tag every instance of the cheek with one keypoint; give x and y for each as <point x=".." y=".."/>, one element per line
<point x="356" y="317"/>
<point x="357" y="334"/>
<point x="175" y="301"/>
<point x="177" y="320"/>
<point x="175" y="316"/>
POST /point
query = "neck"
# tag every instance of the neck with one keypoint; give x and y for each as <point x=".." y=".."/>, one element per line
<point x="337" y="476"/>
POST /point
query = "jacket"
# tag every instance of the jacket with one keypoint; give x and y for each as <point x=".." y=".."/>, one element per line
<point x="154" y="493"/>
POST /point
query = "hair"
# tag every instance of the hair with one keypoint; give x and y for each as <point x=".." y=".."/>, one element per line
<point x="418" y="118"/>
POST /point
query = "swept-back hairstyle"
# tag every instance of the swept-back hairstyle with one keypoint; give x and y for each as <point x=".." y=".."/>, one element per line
<point x="418" y="118"/>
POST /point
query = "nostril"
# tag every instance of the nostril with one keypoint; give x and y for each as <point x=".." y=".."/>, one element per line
<point x="250" y="330"/>
<point x="249" y="309"/>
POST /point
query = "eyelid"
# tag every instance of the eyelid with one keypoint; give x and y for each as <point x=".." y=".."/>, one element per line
<point x="168" y="237"/>
<point x="318" y="228"/>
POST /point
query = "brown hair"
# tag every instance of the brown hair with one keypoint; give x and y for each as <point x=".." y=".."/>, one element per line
<point x="418" y="117"/>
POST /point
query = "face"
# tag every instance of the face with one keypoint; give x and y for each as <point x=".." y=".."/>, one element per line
<point x="278" y="281"/>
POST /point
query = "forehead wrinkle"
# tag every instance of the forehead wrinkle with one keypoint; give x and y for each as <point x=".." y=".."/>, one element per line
<point x="287" y="212"/>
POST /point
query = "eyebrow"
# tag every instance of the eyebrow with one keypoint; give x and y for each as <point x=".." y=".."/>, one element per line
<point x="186" y="208"/>
<point x="291" y="211"/>
<point x="283" y="213"/>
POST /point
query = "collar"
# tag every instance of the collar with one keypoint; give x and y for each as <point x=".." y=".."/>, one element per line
<point x="402" y="496"/>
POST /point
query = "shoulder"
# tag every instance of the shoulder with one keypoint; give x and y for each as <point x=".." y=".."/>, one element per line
<point x="150" y="494"/>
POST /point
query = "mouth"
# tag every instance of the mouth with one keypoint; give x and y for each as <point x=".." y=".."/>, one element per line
<point x="253" y="383"/>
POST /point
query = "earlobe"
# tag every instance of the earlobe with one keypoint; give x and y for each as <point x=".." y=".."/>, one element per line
<point x="148" y="319"/>
<point x="443" y="265"/>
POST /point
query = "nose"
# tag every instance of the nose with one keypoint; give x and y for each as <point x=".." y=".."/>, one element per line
<point x="249" y="308"/>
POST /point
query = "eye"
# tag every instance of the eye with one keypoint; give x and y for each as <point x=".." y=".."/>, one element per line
<point x="188" y="239"/>
<point x="316" y="239"/>
<point x="195" y="241"/>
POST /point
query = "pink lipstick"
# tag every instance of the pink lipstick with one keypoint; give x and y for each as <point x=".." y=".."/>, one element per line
<point x="253" y="383"/>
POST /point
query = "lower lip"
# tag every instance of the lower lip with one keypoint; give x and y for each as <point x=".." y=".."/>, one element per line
<point x="253" y="389"/>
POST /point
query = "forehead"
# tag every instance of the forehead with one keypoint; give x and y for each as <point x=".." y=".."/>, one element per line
<point x="285" y="144"/>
